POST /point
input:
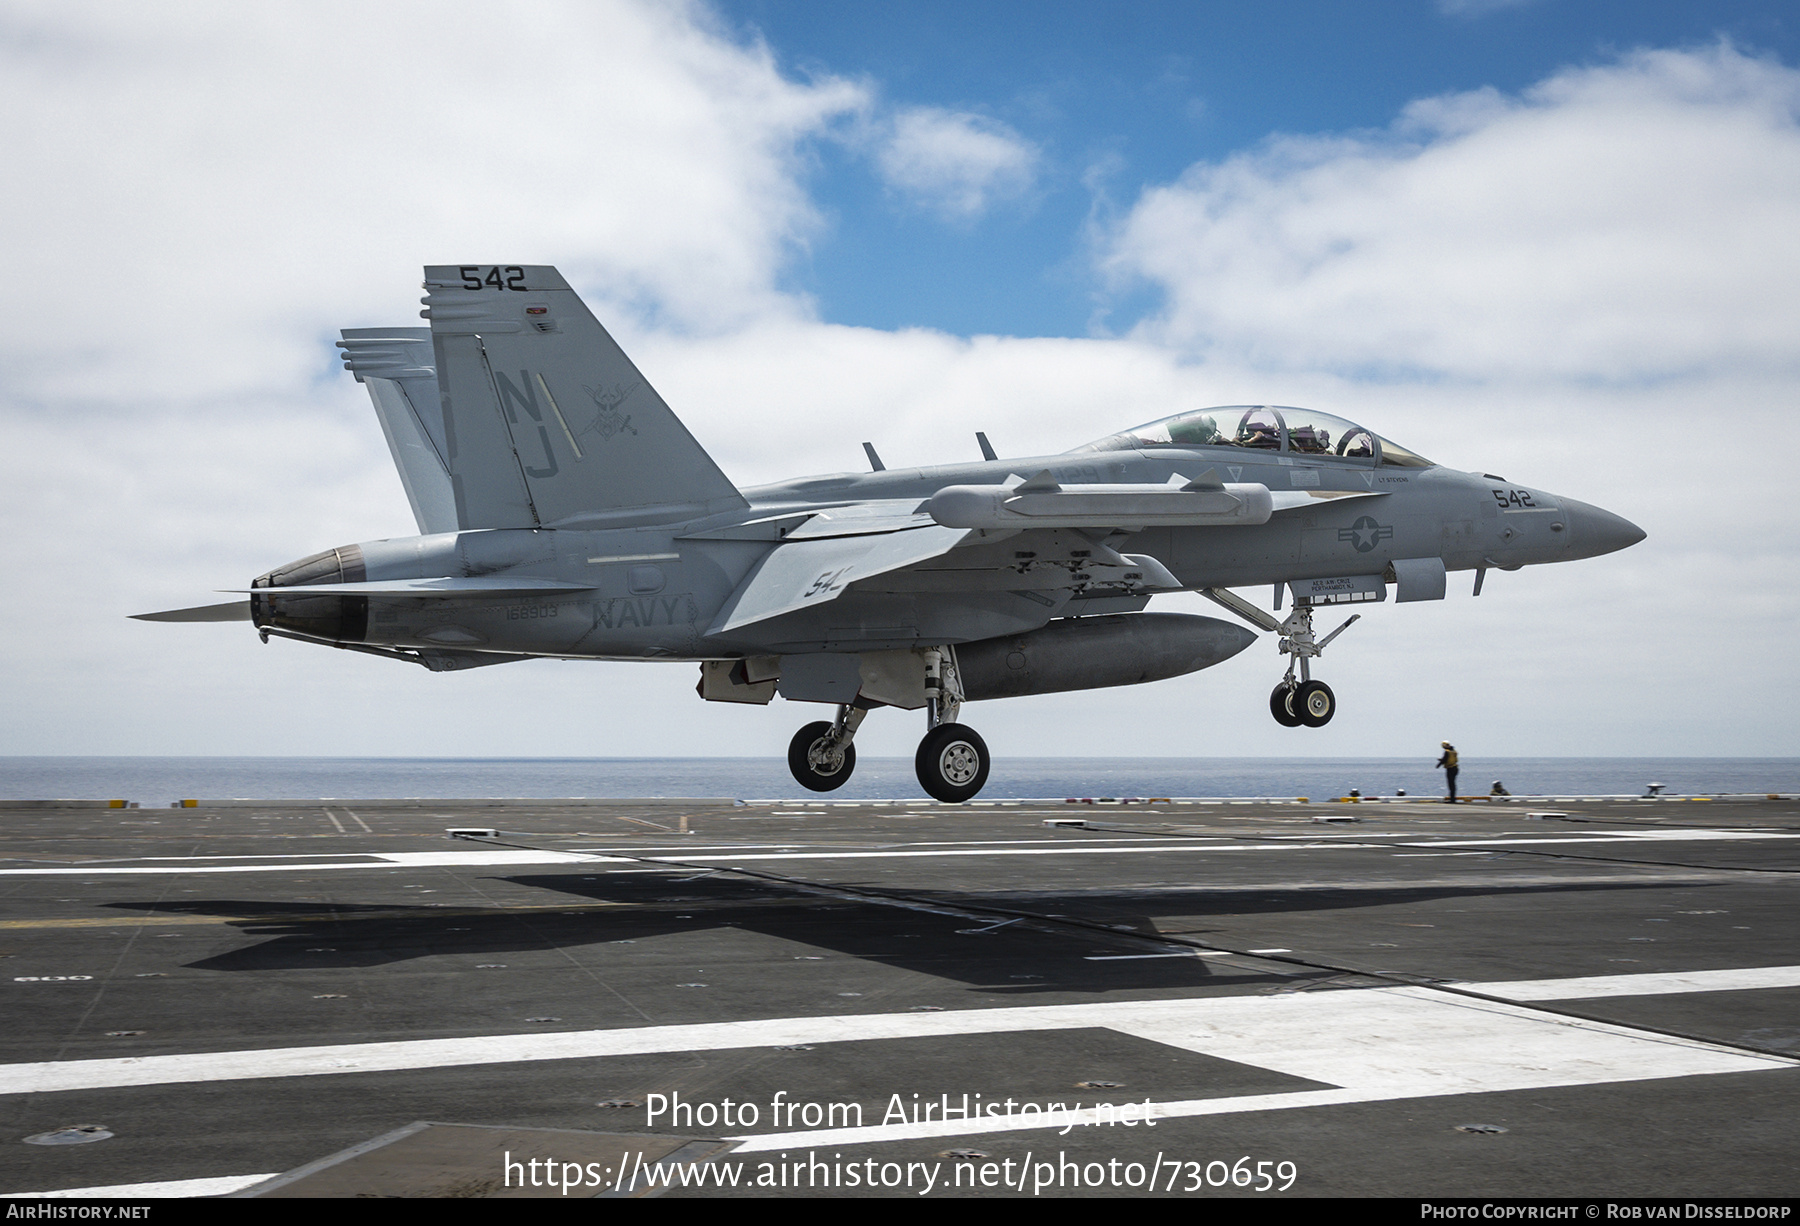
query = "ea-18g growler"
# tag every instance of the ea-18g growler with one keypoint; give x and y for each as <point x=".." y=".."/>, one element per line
<point x="566" y="512"/>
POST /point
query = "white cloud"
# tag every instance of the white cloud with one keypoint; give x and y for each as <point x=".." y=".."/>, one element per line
<point x="1629" y="222"/>
<point x="206" y="187"/>
<point x="955" y="164"/>
<point x="1478" y="8"/>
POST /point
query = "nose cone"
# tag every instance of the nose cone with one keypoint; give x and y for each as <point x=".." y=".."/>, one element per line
<point x="1593" y="531"/>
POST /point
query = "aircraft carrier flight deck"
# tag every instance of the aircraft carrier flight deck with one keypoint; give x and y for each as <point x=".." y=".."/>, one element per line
<point x="1541" y="997"/>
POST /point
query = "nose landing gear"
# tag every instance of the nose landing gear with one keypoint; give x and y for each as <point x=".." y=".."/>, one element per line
<point x="1296" y="701"/>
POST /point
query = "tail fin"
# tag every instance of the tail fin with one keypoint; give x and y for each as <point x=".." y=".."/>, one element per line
<point x="546" y="421"/>
<point x="395" y="364"/>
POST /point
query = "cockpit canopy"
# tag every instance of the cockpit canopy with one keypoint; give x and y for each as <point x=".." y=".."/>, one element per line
<point x="1265" y="427"/>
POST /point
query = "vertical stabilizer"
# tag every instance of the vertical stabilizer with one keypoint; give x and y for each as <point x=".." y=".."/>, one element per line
<point x="395" y="364"/>
<point x="547" y="422"/>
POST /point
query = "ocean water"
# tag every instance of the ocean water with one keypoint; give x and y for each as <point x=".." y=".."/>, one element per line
<point x="158" y="781"/>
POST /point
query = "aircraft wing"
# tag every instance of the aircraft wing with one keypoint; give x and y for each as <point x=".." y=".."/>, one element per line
<point x="798" y="574"/>
<point x="820" y="558"/>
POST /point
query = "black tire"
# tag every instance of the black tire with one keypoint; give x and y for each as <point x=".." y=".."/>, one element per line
<point x="1315" y="704"/>
<point x="1281" y="706"/>
<point x="802" y="764"/>
<point x="952" y="763"/>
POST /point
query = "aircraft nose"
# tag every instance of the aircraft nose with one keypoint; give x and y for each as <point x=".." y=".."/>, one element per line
<point x="1594" y="531"/>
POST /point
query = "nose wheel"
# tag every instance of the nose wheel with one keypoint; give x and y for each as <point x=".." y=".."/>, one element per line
<point x="1314" y="704"/>
<point x="1281" y="706"/>
<point x="1299" y="700"/>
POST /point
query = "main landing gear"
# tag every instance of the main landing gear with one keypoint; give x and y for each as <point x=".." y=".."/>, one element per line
<point x="952" y="762"/>
<point x="1296" y="701"/>
<point x="821" y="755"/>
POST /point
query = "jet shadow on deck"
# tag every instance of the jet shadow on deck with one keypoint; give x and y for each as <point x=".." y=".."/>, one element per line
<point x="909" y="934"/>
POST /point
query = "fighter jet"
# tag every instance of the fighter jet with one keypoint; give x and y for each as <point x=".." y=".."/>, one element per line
<point x="565" y="512"/>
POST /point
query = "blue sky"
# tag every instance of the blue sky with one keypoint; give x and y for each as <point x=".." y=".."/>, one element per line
<point x="1116" y="96"/>
<point x="1557" y="241"/>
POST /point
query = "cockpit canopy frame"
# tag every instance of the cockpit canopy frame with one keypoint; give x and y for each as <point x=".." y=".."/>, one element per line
<point x="1279" y="429"/>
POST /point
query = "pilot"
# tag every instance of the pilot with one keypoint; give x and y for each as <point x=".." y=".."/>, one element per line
<point x="1201" y="431"/>
<point x="1448" y="764"/>
<point x="1310" y="439"/>
<point x="1259" y="434"/>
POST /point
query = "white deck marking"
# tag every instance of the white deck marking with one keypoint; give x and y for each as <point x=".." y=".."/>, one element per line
<point x="218" y="1185"/>
<point x="1654" y="984"/>
<point x="1186" y="953"/>
<point x="497" y="856"/>
<point x="388" y="860"/>
<point x="1369" y="1044"/>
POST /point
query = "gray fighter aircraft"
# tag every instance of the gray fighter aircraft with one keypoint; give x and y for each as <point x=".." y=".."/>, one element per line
<point x="565" y="512"/>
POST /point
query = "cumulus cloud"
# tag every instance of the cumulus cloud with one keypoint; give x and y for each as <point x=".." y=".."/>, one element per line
<point x="204" y="186"/>
<point x="199" y="195"/>
<point x="1633" y="221"/>
<point x="955" y="164"/>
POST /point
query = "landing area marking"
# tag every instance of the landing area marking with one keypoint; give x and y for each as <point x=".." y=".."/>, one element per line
<point x="1369" y="1045"/>
<point x="486" y="857"/>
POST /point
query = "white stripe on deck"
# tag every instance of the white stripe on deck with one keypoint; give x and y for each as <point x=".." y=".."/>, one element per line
<point x="1372" y="1043"/>
<point x="487" y="857"/>
<point x="1654" y="984"/>
<point x="218" y="1185"/>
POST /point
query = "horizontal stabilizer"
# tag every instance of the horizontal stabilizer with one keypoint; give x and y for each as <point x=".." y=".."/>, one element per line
<point x="236" y="611"/>
<point x="449" y="585"/>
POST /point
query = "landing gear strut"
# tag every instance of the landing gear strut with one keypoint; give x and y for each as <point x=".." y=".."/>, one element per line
<point x="1309" y="702"/>
<point x="952" y="762"/>
<point x="1301" y="700"/>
